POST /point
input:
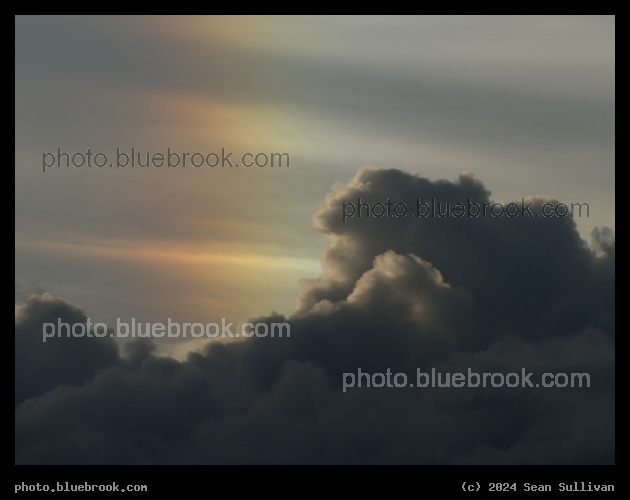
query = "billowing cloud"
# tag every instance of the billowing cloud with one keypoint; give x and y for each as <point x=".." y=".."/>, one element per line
<point x="490" y="294"/>
<point x="41" y="366"/>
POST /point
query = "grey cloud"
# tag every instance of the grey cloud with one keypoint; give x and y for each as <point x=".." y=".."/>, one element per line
<point x="491" y="294"/>
<point x="42" y="366"/>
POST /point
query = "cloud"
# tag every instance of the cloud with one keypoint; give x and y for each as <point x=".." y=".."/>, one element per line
<point x="42" y="366"/>
<point x="490" y="294"/>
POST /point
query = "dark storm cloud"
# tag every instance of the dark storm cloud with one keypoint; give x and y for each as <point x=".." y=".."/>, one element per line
<point x="490" y="294"/>
<point x="41" y="366"/>
<point x="511" y="265"/>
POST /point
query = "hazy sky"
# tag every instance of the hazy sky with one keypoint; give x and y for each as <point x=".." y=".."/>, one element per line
<point x="521" y="105"/>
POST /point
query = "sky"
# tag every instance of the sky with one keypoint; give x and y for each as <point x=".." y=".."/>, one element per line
<point x="496" y="109"/>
